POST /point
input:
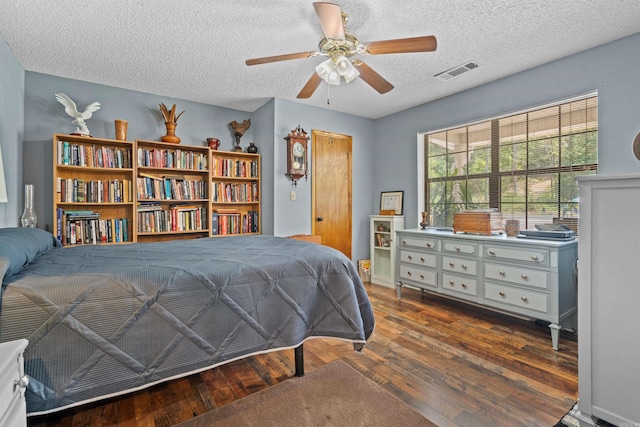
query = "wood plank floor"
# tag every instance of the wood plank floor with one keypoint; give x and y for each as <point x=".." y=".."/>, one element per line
<point x="457" y="365"/>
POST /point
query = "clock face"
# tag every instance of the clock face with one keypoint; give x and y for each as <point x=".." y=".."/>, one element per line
<point x="298" y="149"/>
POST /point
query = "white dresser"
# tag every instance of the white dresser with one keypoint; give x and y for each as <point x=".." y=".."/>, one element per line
<point x="13" y="381"/>
<point x="534" y="279"/>
<point x="609" y="291"/>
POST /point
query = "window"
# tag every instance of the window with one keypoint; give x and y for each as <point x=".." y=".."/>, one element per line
<point x="522" y="164"/>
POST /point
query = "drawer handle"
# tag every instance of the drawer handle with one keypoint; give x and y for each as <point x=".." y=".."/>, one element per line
<point x="23" y="382"/>
<point x="451" y="282"/>
<point x="422" y="276"/>
<point x="524" y="276"/>
<point x="534" y="257"/>
<point x="409" y="257"/>
<point x="429" y="244"/>
<point x="492" y="252"/>
<point x="404" y="242"/>
<point x="450" y="264"/>
<point x="422" y="258"/>
<point x="501" y="293"/>
<point x="502" y="273"/>
<point x="524" y="299"/>
<point x="464" y="266"/>
<point x="408" y="273"/>
<point x="458" y="248"/>
<point x="464" y="286"/>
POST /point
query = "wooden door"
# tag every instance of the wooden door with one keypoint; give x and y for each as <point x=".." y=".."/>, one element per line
<point x="331" y="189"/>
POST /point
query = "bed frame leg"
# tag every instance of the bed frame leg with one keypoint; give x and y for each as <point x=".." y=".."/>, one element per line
<point x="299" y="358"/>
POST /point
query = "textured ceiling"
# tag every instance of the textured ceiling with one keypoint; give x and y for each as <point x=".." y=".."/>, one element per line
<point x="196" y="49"/>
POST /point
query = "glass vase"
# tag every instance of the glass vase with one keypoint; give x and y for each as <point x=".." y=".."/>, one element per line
<point x="29" y="217"/>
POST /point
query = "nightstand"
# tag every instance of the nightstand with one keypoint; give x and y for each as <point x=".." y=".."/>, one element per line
<point x="13" y="382"/>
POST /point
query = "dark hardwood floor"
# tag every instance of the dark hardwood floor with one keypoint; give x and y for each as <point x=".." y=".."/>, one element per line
<point x="456" y="364"/>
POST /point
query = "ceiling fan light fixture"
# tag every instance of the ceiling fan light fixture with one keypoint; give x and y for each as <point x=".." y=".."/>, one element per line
<point x="324" y="69"/>
<point x="333" y="78"/>
<point x="351" y="75"/>
<point x="343" y="65"/>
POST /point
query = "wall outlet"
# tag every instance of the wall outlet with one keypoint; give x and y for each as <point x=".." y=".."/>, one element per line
<point x="293" y="194"/>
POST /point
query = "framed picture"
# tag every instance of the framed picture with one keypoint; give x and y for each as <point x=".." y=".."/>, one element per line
<point x="391" y="200"/>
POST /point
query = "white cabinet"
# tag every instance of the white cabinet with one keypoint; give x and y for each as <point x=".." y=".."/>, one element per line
<point x="608" y="295"/>
<point x="13" y="381"/>
<point x="383" y="248"/>
<point x="527" y="278"/>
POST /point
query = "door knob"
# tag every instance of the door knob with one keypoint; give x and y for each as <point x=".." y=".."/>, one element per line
<point x="319" y="219"/>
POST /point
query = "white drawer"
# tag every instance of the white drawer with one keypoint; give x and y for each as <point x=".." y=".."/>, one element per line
<point x="419" y="242"/>
<point x="522" y="298"/>
<point x="536" y="256"/>
<point x="459" y="265"/>
<point x="458" y="247"/>
<point x="418" y="258"/>
<point x="11" y="370"/>
<point x="420" y="276"/>
<point x="518" y="275"/>
<point x="463" y="285"/>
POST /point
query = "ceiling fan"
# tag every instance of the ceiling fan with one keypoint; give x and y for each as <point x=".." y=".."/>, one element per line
<point x="340" y="46"/>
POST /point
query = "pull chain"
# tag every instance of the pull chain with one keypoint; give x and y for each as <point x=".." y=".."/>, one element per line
<point x="328" y="88"/>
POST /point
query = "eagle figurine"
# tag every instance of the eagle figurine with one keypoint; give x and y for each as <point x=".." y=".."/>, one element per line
<point x="78" y="117"/>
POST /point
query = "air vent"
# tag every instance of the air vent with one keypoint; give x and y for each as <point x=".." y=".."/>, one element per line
<point x="456" y="71"/>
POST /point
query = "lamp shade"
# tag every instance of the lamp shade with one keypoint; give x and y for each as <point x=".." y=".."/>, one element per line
<point x="3" y="187"/>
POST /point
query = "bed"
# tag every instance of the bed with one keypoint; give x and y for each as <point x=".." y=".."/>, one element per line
<point x="104" y="320"/>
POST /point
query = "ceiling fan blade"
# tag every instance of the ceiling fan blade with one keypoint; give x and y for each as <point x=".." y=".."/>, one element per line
<point x="413" y="44"/>
<point x="330" y="19"/>
<point x="276" y="58"/>
<point x="311" y="86"/>
<point x="374" y="79"/>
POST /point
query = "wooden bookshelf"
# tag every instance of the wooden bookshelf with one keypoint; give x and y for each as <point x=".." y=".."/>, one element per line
<point x="157" y="191"/>
<point x="93" y="200"/>
<point x="235" y="193"/>
<point x="172" y="191"/>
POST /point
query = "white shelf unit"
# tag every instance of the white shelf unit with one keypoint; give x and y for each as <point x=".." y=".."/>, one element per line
<point x="383" y="247"/>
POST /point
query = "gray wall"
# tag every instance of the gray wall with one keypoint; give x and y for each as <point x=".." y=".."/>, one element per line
<point x="610" y="69"/>
<point x="11" y="127"/>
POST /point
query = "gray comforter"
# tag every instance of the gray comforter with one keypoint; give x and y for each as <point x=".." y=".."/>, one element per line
<point x="104" y="320"/>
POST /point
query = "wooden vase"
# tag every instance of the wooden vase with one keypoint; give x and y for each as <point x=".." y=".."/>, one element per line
<point x="171" y="133"/>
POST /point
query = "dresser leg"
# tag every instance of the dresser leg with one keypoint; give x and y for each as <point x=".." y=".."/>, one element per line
<point x="555" y="334"/>
<point x="399" y="290"/>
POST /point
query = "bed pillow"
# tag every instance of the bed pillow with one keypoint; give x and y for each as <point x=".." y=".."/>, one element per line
<point x="19" y="246"/>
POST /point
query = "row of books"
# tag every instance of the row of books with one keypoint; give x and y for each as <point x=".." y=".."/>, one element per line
<point x="234" y="223"/>
<point x="165" y="158"/>
<point x="85" y="227"/>
<point x="155" y="219"/>
<point x="81" y="191"/>
<point x="238" y="192"/>
<point x="171" y="189"/>
<point x="235" y="168"/>
<point x="90" y="155"/>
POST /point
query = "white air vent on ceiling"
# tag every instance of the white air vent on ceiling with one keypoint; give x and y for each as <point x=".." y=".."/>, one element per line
<point x="456" y="71"/>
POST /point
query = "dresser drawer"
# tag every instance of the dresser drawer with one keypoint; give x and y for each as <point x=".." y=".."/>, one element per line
<point x="518" y="275"/>
<point x="12" y="402"/>
<point x="459" y="284"/>
<point x="418" y="258"/>
<point x="515" y="297"/>
<point x="534" y="256"/>
<point x="458" y="247"/>
<point x="419" y="242"/>
<point x="421" y="276"/>
<point x="459" y="265"/>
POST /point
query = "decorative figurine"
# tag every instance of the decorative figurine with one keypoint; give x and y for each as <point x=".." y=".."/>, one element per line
<point x="238" y="130"/>
<point x="424" y="224"/>
<point x="78" y="117"/>
<point x="170" y="121"/>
